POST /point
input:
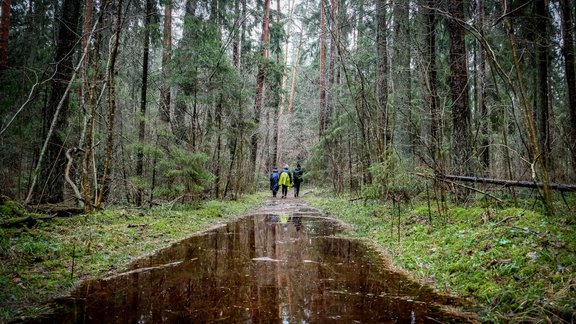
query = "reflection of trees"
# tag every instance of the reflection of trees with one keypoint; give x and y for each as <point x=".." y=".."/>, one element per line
<point x="298" y="276"/>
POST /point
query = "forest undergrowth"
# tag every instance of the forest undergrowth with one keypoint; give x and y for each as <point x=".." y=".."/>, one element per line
<point x="513" y="263"/>
<point x="50" y="258"/>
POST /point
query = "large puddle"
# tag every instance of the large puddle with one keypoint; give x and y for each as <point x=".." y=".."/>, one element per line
<point x="284" y="266"/>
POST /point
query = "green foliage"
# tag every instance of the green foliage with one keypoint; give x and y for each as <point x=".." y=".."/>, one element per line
<point x="278" y="37"/>
<point x="185" y="172"/>
<point x="36" y="263"/>
<point x="392" y="177"/>
<point x="10" y="208"/>
<point x="514" y="264"/>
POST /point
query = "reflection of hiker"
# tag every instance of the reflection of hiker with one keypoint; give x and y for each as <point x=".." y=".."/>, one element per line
<point x="297" y="175"/>
<point x="285" y="181"/>
<point x="274" y="178"/>
<point x="297" y="221"/>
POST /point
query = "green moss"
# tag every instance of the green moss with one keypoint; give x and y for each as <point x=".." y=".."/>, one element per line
<point x="515" y="263"/>
<point x="36" y="263"/>
<point x="10" y="208"/>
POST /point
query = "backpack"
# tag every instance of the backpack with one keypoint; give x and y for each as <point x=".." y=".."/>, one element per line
<point x="275" y="176"/>
<point x="297" y="174"/>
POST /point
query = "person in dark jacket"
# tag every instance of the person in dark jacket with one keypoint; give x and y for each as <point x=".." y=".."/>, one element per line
<point x="274" y="177"/>
<point x="297" y="176"/>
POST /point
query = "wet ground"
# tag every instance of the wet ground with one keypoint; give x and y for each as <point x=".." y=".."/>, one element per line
<point x="283" y="264"/>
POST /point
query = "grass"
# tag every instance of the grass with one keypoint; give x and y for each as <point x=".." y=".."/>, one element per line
<point x="513" y="264"/>
<point x="51" y="258"/>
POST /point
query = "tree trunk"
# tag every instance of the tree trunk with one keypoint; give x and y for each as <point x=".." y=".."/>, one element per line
<point x="218" y="149"/>
<point x="187" y="90"/>
<point x="260" y="78"/>
<point x="233" y="146"/>
<point x="461" y="149"/>
<point x="85" y="65"/>
<point x="570" y="67"/>
<point x="236" y="44"/>
<point x="330" y="102"/>
<point x="543" y="83"/>
<point x="278" y="85"/>
<point x="91" y="83"/>
<point x="383" y="135"/>
<point x="238" y="154"/>
<point x="484" y="151"/>
<point x="286" y="48"/>
<point x="321" y="72"/>
<point x="429" y="68"/>
<point x="404" y="133"/>
<point x="51" y="175"/>
<point x="143" y="101"/>
<point x="166" y="58"/>
<point x="4" y="34"/>
<point x="111" y="82"/>
<point x="295" y="68"/>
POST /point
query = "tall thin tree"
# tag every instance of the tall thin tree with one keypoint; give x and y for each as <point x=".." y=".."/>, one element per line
<point x="382" y="71"/>
<point x="4" y="34"/>
<point x="51" y="178"/>
<point x="405" y="133"/>
<point x="111" y="87"/>
<point x="542" y="43"/>
<point x="481" y="106"/>
<point x="85" y="64"/>
<point x="143" y="98"/>
<point x="461" y="148"/>
<point x="91" y="82"/>
<point x="277" y="98"/>
<point x="322" y="72"/>
<point x="260" y="79"/>
<point x="166" y="58"/>
<point x="430" y="85"/>
<point x="568" y="30"/>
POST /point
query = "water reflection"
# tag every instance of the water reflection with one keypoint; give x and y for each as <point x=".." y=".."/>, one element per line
<point x="266" y="268"/>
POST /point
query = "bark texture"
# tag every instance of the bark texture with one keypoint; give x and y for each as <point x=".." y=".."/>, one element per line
<point x="51" y="179"/>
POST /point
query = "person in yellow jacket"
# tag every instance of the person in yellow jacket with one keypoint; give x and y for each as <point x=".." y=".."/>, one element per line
<point x="285" y="181"/>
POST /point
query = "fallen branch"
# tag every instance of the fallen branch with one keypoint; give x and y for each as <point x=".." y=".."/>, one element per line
<point x="508" y="183"/>
<point x="461" y="185"/>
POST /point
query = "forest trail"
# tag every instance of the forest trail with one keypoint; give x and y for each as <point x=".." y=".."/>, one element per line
<point x="283" y="262"/>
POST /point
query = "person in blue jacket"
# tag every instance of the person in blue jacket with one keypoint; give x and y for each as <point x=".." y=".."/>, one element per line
<point x="274" y="177"/>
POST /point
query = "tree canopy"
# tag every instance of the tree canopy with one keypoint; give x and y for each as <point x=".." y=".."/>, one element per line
<point x="136" y="102"/>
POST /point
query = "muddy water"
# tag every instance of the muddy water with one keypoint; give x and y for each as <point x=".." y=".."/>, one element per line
<point x="286" y="265"/>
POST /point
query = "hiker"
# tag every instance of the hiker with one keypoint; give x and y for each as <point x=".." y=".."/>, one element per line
<point x="285" y="180"/>
<point x="297" y="175"/>
<point x="274" y="178"/>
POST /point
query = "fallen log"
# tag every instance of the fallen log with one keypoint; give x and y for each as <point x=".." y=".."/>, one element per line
<point x="510" y="183"/>
<point x="27" y="221"/>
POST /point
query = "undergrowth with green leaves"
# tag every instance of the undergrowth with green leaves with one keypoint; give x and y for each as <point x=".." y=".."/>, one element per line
<point x="514" y="264"/>
<point x="51" y="258"/>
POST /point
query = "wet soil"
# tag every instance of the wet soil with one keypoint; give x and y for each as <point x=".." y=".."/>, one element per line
<point x="285" y="263"/>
